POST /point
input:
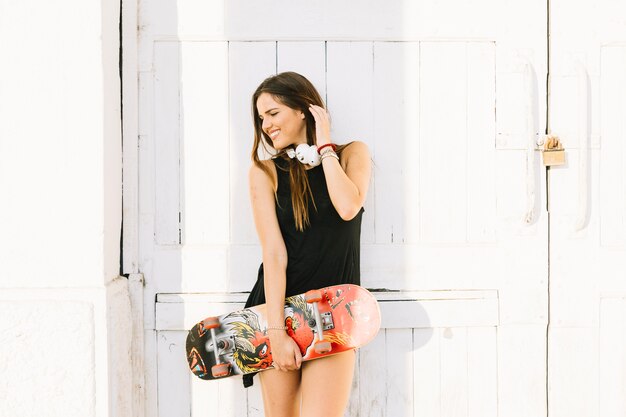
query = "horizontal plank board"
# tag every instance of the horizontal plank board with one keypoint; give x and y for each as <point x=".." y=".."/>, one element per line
<point x="398" y="310"/>
<point x="234" y="297"/>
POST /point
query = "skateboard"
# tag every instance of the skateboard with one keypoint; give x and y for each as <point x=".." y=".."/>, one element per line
<point x="322" y="322"/>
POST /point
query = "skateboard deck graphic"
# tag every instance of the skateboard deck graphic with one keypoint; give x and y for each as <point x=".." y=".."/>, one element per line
<point x="238" y="343"/>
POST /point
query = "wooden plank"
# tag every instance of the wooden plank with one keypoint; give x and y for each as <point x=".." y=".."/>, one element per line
<point x="396" y="139"/>
<point x="511" y="117"/>
<point x="365" y="19"/>
<point x="204" y="92"/>
<point x="305" y="58"/>
<point x="613" y="151"/>
<point x="380" y="296"/>
<point x="426" y="373"/>
<point x="424" y="314"/>
<point x="130" y="145"/>
<point x="355" y="399"/>
<point x="454" y="367"/>
<point x="395" y="314"/>
<point x="164" y="270"/>
<point x="146" y="190"/>
<point x="167" y="141"/>
<point x="151" y="374"/>
<point x="573" y="360"/>
<point x="522" y="371"/>
<point x="435" y="295"/>
<point x="243" y="266"/>
<point x="350" y="104"/>
<point x="481" y="105"/>
<point x="399" y="376"/>
<point x="395" y="267"/>
<point x="232" y="398"/>
<point x="179" y="316"/>
<point x="612" y="357"/>
<point x="203" y="267"/>
<point x="174" y="378"/>
<point x="443" y="142"/>
<point x="249" y="64"/>
<point x="512" y="189"/>
<point x="372" y="378"/>
<point x="482" y="353"/>
<point x="197" y="18"/>
<point x="255" y="400"/>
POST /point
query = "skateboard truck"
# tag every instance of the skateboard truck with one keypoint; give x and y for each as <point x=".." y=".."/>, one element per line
<point x="219" y="369"/>
<point x="314" y="297"/>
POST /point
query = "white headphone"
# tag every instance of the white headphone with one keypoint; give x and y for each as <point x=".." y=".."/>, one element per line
<point x="306" y="154"/>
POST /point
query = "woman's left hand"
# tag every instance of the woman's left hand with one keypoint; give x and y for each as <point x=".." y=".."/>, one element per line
<point x="322" y="124"/>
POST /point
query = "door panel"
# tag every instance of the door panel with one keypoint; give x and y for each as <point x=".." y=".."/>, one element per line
<point x="587" y="206"/>
<point x="450" y="101"/>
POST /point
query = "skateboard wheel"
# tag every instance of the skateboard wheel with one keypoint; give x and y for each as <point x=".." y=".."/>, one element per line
<point x="211" y="323"/>
<point x="322" y="347"/>
<point x="220" y="370"/>
<point x="313" y="296"/>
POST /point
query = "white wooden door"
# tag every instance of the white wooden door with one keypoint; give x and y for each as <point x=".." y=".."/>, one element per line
<point x="587" y="338"/>
<point x="450" y="97"/>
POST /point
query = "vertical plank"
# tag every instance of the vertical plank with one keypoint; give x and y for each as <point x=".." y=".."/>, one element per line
<point x="232" y="398"/>
<point x="613" y="150"/>
<point x="255" y="400"/>
<point x="443" y="141"/>
<point x="350" y="102"/>
<point x="355" y="398"/>
<point x="249" y="64"/>
<point x="521" y="368"/>
<point x="167" y="141"/>
<point x="399" y="380"/>
<point x="482" y="354"/>
<point x="573" y="359"/>
<point x="372" y="378"/>
<point x="454" y="375"/>
<point x="612" y="367"/>
<point x="173" y="375"/>
<point x="511" y="189"/>
<point x="427" y="373"/>
<point x="481" y="103"/>
<point x="396" y="139"/>
<point x="305" y="58"/>
<point x="205" y="193"/>
<point x="151" y="375"/>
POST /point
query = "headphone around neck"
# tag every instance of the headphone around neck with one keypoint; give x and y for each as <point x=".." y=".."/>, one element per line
<point x="306" y="154"/>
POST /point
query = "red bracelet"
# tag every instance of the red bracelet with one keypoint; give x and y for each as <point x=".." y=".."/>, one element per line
<point x="332" y="145"/>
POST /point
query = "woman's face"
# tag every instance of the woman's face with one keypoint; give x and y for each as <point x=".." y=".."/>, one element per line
<point x="284" y="125"/>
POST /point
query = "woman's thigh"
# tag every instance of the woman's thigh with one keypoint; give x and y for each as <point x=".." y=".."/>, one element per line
<point x="326" y="385"/>
<point x="281" y="393"/>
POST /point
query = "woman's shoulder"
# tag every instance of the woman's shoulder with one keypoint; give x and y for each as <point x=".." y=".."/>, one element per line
<point x="355" y="146"/>
<point x="263" y="172"/>
<point x="355" y="149"/>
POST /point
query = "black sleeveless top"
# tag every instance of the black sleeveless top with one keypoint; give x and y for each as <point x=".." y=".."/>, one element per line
<point x="326" y="253"/>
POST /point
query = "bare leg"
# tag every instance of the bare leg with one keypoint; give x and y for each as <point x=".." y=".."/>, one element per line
<point x="281" y="393"/>
<point x="326" y="385"/>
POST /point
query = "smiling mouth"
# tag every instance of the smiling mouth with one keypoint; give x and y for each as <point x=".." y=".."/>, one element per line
<point x="274" y="133"/>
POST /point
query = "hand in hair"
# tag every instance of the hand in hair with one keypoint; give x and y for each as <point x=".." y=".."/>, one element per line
<point x="322" y="125"/>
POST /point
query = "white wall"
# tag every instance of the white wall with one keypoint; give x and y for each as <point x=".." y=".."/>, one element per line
<point x="64" y="312"/>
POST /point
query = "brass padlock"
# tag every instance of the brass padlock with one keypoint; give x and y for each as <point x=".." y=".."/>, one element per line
<point x="553" y="152"/>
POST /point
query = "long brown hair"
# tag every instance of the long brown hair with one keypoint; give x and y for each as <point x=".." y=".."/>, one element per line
<point x="294" y="91"/>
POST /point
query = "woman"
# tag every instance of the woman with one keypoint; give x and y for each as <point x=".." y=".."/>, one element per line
<point x="307" y="210"/>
